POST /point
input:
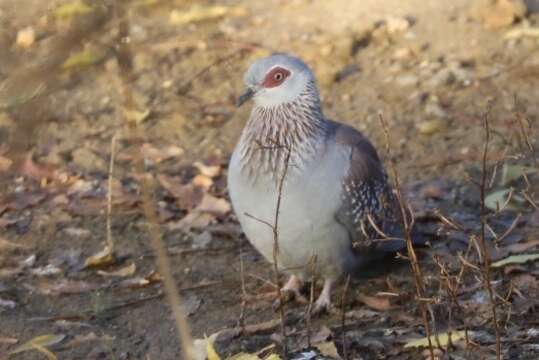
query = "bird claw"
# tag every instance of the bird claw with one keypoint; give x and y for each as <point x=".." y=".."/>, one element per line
<point x="288" y="295"/>
<point x="322" y="306"/>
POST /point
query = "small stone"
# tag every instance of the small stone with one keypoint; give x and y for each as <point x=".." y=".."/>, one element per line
<point x="407" y="80"/>
<point x="395" y="24"/>
<point x="26" y="37"/>
<point x="443" y="77"/>
<point x="434" y="109"/>
<point x="87" y="160"/>
<point x="499" y="13"/>
<point x="202" y="241"/>
<point x="403" y="54"/>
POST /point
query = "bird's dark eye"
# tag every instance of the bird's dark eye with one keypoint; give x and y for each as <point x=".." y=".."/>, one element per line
<point x="278" y="76"/>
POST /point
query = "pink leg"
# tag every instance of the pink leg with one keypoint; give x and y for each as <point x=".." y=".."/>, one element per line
<point x="293" y="285"/>
<point x="323" y="303"/>
<point x="291" y="291"/>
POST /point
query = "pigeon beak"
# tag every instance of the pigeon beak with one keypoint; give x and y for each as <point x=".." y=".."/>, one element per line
<point x="246" y="95"/>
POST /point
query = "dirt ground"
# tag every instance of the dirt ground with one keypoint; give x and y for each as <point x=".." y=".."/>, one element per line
<point x="433" y="68"/>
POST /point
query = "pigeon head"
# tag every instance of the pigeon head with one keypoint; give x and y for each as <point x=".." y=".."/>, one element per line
<point x="276" y="80"/>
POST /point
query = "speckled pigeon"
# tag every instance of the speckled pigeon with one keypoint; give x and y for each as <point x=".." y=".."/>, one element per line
<point x="336" y="204"/>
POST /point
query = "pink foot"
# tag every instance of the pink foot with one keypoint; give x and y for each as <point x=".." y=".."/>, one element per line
<point x="290" y="291"/>
<point x="323" y="303"/>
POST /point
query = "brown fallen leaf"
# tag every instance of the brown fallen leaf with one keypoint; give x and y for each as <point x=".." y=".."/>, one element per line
<point x="65" y="286"/>
<point x="8" y="340"/>
<point x="210" y="171"/>
<point x="26" y="37"/>
<point x="41" y="341"/>
<point x="5" y="163"/>
<point x="35" y="171"/>
<point x="102" y="258"/>
<point x="121" y="272"/>
<point x="214" y="205"/>
<point x="522" y="247"/>
<point x="328" y="348"/>
<point x="375" y="302"/>
<point x="158" y="155"/>
<point x="6" y="246"/>
<point x="85" y="338"/>
<point x="188" y="195"/>
<point x="202" y="181"/>
<point x="137" y="282"/>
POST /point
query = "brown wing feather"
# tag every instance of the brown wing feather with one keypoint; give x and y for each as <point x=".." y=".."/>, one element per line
<point x="368" y="208"/>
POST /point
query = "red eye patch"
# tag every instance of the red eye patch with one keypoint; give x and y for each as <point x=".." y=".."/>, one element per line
<point x="275" y="77"/>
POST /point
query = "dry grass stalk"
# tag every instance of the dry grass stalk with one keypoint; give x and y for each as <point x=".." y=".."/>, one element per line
<point x="482" y="241"/>
<point x="275" y="237"/>
<point x="244" y="296"/>
<point x="275" y="229"/>
<point x="124" y="57"/>
<point x="311" y="300"/>
<point x="407" y="217"/>
<point x="110" y="241"/>
<point x="343" y="317"/>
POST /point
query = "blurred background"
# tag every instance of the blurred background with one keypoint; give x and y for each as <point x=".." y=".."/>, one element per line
<point x="160" y="77"/>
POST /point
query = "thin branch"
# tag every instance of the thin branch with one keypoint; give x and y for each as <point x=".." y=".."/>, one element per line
<point x="275" y="229"/>
<point x="110" y="241"/>
<point x="408" y="222"/>
<point x="124" y="57"/>
<point x="482" y="241"/>
<point x="343" y="317"/>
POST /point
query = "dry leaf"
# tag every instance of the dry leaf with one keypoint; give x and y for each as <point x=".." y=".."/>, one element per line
<point x="138" y="282"/>
<point x="375" y="302"/>
<point x="201" y="13"/>
<point x="515" y="259"/>
<point x="46" y="270"/>
<point x="208" y="170"/>
<point x="102" y="258"/>
<point x="430" y="127"/>
<point x="213" y="205"/>
<point x="71" y="9"/>
<point x="135" y="116"/>
<point x="210" y="350"/>
<point x="188" y="196"/>
<point x="328" y="348"/>
<point x="202" y="181"/>
<point x="158" y="155"/>
<point x="26" y="37"/>
<point x="82" y="59"/>
<point x="38" y="341"/>
<point x="122" y="272"/>
<point x="444" y="339"/>
<point x="68" y="287"/>
<point x="10" y="304"/>
<point x="6" y="246"/>
<point x="8" y="340"/>
<point x="521" y="247"/>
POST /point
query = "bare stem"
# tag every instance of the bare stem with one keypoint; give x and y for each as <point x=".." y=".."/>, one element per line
<point x="343" y="317"/>
<point x="407" y="217"/>
<point x="275" y="229"/>
<point x="124" y="57"/>
<point x="110" y="241"/>
<point x="485" y="254"/>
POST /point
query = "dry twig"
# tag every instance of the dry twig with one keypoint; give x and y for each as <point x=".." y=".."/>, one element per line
<point x="482" y="241"/>
<point x="407" y="217"/>
<point x="124" y="57"/>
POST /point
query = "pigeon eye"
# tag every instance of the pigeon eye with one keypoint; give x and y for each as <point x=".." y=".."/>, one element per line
<point x="275" y="77"/>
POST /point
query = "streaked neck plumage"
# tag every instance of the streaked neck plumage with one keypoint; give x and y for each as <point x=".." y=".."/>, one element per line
<point x="298" y="126"/>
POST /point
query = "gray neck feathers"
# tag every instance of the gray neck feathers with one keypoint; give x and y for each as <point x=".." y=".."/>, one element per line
<point x="270" y="133"/>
